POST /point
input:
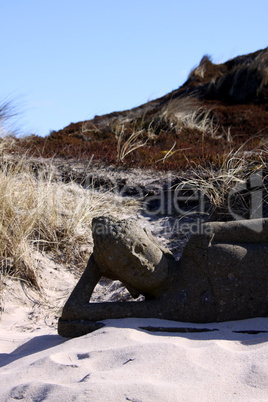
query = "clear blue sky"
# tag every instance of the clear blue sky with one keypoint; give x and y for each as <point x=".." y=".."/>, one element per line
<point x="68" y="60"/>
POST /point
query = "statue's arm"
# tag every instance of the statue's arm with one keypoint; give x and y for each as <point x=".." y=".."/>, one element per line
<point x="113" y="310"/>
<point x="78" y="307"/>
<point x="83" y="290"/>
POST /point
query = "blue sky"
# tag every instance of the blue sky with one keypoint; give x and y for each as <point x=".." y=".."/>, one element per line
<point x="66" y="61"/>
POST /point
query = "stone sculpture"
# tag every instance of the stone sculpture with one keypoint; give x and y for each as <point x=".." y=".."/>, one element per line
<point x="221" y="276"/>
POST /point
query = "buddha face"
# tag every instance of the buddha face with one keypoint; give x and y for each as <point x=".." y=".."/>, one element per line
<point x="123" y="251"/>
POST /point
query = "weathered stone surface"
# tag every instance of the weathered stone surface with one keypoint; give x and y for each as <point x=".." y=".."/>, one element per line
<point x="222" y="275"/>
<point x="123" y="250"/>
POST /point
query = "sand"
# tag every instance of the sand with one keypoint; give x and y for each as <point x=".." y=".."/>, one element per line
<point x="122" y="362"/>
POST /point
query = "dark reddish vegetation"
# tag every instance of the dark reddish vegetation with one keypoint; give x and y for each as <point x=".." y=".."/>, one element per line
<point x="236" y="92"/>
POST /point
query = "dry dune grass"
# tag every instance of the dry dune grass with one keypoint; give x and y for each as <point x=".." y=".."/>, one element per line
<point x="41" y="213"/>
<point x="229" y="188"/>
<point x="241" y="79"/>
<point x="126" y="146"/>
<point x="188" y="112"/>
<point x="7" y="112"/>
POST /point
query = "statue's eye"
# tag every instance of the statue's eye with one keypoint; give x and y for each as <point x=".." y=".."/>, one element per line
<point x="138" y="248"/>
